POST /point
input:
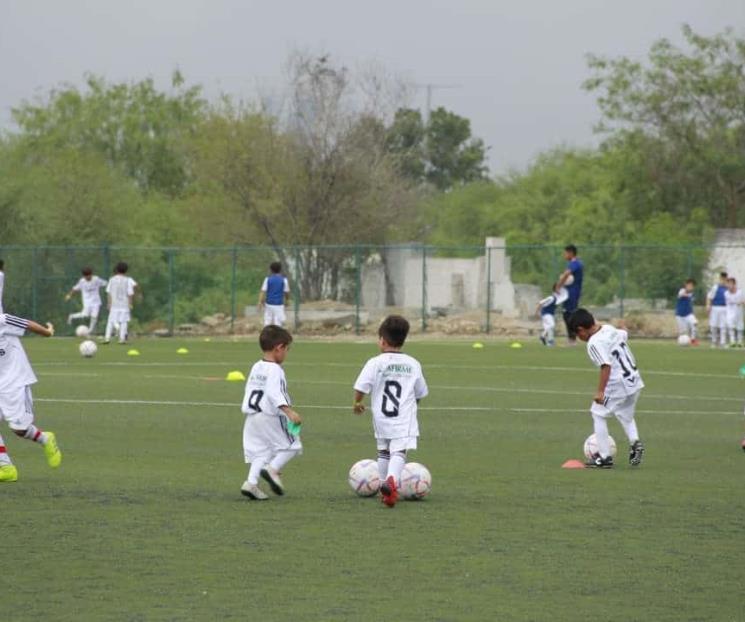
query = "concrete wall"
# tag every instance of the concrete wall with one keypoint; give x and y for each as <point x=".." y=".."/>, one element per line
<point x="728" y="254"/>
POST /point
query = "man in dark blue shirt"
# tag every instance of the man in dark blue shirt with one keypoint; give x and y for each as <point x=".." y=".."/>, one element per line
<point x="571" y="278"/>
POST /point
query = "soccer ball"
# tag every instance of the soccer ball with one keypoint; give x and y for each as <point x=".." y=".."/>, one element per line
<point x="416" y="481"/>
<point x="82" y="331"/>
<point x="684" y="340"/>
<point x="88" y="348"/>
<point x="364" y="478"/>
<point x="591" y="447"/>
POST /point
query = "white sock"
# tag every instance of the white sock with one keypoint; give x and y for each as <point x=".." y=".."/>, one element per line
<point x="396" y="465"/>
<point x="77" y="316"/>
<point x="630" y="428"/>
<point x="693" y="331"/>
<point x="255" y="471"/>
<point x="731" y="335"/>
<point x="123" y="331"/>
<point x="723" y="336"/>
<point x="384" y="457"/>
<point x="550" y="336"/>
<point x="92" y="325"/>
<point x="4" y="457"/>
<point x="35" y="434"/>
<point x="601" y="435"/>
<point x="109" y="328"/>
<point x="282" y="458"/>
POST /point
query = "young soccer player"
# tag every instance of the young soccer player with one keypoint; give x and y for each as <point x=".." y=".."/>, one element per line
<point x="684" y="315"/>
<point x="274" y="295"/>
<point x="735" y="300"/>
<point x="547" y="309"/>
<point x="618" y="389"/>
<point x="88" y="286"/>
<point x="120" y="291"/>
<point x="269" y="441"/>
<point x="395" y="383"/>
<point x="16" y="403"/>
<point x="716" y="307"/>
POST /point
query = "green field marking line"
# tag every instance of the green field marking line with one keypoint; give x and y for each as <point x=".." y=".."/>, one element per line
<point x="54" y="400"/>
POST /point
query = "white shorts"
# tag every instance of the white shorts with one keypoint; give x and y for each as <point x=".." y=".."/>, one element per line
<point x="548" y="321"/>
<point x="686" y="324"/>
<point x="718" y="317"/>
<point x="735" y="318"/>
<point x="17" y="408"/>
<point x="91" y="310"/>
<point x="397" y="444"/>
<point x="622" y="408"/>
<point x="119" y="315"/>
<point x="274" y="314"/>
<point x="266" y="435"/>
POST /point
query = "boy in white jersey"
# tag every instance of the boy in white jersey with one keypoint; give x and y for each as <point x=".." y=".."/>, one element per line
<point x="88" y="286"/>
<point x="16" y="403"/>
<point x="618" y="388"/>
<point x="271" y="432"/>
<point x="2" y="283"/>
<point x="734" y="300"/>
<point x="120" y="291"/>
<point x="395" y="383"/>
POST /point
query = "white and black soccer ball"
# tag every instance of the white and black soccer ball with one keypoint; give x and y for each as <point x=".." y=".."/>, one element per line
<point x="88" y="348"/>
<point x="82" y="331"/>
<point x="416" y="481"/>
<point x="364" y="478"/>
<point x="684" y="340"/>
<point x="591" y="447"/>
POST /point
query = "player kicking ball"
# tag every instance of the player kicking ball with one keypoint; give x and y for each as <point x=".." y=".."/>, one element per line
<point x="16" y="403"/>
<point x="618" y="389"/>
<point x="395" y="383"/>
<point x="271" y="430"/>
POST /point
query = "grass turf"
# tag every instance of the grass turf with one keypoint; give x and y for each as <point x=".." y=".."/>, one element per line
<point x="144" y="521"/>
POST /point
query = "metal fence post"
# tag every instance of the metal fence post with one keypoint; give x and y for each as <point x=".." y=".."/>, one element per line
<point x="690" y="263"/>
<point x="171" y="310"/>
<point x="357" y="288"/>
<point x="622" y="281"/>
<point x="106" y="250"/>
<point x="488" y="289"/>
<point x="34" y="288"/>
<point x="296" y="297"/>
<point x="233" y="273"/>
<point x="424" y="288"/>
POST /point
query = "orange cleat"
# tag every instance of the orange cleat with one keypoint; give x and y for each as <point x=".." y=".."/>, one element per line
<point x="389" y="492"/>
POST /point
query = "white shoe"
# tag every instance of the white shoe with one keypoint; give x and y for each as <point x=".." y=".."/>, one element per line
<point x="253" y="492"/>
<point x="69" y="319"/>
<point x="272" y="478"/>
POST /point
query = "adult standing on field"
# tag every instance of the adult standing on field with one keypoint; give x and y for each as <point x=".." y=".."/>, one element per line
<point x="571" y="278"/>
<point x="274" y="295"/>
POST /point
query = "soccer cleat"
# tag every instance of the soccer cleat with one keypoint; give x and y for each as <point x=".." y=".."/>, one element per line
<point x="8" y="473"/>
<point x="598" y="462"/>
<point x="695" y="342"/>
<point x="389" y="492"/>
<point x="636" y="453"/>
<point x="542" y="340"/>
<point x="272" y="478"/>
<point x="51" y="451"/>
<point x="252" y="491"/>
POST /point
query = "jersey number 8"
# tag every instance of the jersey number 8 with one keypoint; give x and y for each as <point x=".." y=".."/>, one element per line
<point x="391" y="398"/>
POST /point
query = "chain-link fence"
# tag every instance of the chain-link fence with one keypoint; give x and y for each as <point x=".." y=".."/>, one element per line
<point x="349" y="288"/>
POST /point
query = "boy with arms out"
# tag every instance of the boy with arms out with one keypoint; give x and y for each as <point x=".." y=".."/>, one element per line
<point x="619" y="386"/>
<point x="684" y="311"/>
<point x="120" y="291"/>
<point x="16" y="403"/>
<point x="270" y="432"/>
<point x="547" y="309"/>
<point x="88" y="286"/>
<point x="734" y="299"/>
<point x="395" y="383"/>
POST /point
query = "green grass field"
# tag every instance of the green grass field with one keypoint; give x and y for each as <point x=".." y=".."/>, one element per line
<point x="144" y="520"/>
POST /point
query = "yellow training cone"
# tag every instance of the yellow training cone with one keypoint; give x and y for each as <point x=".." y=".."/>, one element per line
<point x="133" y="352"/>
<point x="478" y="346"/>
<point x="516" y="345"/>
<point x="235" y="376"/>
<point x="182" y="351"/>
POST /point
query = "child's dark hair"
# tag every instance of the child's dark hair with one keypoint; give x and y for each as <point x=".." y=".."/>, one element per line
<point x="581" y="318"/>
<point x="571" y="248"/>
<point x="691" y="281"/>
<point x="86" y="271"/>
<point x="722" y="275"/>
<point x="394" y="330"/>
<point x="732" y="280"/>
<point x="121" y="267"/>
<point x="272" y="336"/>
<point x="2" y="264"/>
<point x="275" y="267"/>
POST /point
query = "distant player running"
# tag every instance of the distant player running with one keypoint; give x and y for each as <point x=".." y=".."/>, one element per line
<point x="88" y="286"/>
<point x="16" y="402"/>
<point x="274" y="295"/>
<point x="395" y="383"/>
<point x="716" y="307"/>
<point x="684" y="316"/>
<point x="120" y="291"/>
<point x="618" y="389"/>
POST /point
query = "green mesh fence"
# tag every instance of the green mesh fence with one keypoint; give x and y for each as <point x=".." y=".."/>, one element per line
<point x="348" y="288"/>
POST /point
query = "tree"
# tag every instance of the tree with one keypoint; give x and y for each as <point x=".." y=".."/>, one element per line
<point x="684" y="112"/>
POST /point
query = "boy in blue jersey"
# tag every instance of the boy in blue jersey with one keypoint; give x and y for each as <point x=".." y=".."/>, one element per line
<point x="274" y="295"/>
<point x="547" y="309"/>
<point x="571" y="278"/>
<point x="684" y="311"/>
<point x="716" y="307"/>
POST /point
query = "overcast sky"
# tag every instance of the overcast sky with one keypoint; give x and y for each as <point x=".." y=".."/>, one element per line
<point x="518" y="64"/>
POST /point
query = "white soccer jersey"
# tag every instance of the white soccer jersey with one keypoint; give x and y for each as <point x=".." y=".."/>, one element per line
<point x="120" y="288"/>
<point x="609" y="346"/>
<point x="395" y="382"/>
<point x="15" y="370"/>
<point x="734" y="299"/>
<point x="266" y="390"/>
<point x="90" y="290"/>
